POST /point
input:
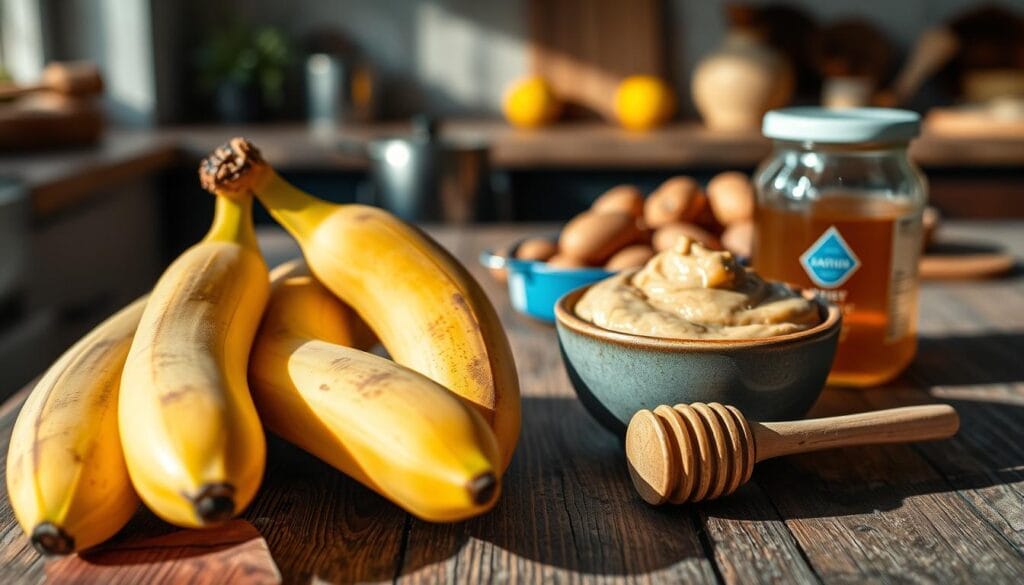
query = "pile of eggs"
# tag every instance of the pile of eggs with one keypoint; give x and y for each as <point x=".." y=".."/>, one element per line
<point x="623" y="229"/>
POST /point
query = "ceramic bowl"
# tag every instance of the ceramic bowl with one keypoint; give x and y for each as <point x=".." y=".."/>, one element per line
<point x="616" y="374"/>
<point x="535" y="287"/>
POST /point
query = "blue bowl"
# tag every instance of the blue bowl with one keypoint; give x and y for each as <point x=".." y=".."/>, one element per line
<point x="534" y="287"/>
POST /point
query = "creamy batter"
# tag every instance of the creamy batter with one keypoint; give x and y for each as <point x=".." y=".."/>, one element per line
<point x="691" y="292"/>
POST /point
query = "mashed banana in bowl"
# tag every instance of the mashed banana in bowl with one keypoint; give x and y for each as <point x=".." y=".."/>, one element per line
<point x="691" y="292"/>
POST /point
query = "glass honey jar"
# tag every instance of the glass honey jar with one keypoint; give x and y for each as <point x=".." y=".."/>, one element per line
<point x="839" y="207"/>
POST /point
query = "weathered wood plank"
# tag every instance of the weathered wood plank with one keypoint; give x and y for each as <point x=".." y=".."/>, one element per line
<point x="320" y="524"/>
<point x="993" y="487"/>
<point x="752" y="544"/>
<point x="232" y="553"/>
<point x="882" y="514"/>
<point x="971" y="357"/>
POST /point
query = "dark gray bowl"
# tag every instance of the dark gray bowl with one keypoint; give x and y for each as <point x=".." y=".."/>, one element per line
<point x="616" y="374"/>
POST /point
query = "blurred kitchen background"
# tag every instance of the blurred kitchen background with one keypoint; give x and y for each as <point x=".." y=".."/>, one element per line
<point x="444" y="111"/>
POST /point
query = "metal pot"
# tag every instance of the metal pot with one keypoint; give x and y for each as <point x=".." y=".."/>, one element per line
<point x="422" y="178"/>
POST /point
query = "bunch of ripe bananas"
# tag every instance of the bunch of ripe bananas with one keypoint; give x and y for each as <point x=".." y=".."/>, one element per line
<point x="166" y="400"/>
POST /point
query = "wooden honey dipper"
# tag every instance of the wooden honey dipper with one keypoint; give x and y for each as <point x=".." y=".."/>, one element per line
<point x="694" y="452"/>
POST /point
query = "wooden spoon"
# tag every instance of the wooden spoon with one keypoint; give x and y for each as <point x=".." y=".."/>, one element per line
<point x="694" y="452"/>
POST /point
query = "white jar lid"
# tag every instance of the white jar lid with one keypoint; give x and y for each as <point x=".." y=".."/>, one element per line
<point x="841" y="126"/>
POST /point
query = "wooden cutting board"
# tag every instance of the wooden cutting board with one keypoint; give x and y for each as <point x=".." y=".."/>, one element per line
<point x="959" y="266"/>
<point x="584" y="48"/>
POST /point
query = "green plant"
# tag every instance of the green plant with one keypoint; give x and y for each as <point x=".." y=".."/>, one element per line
<point x="246" y="56"/>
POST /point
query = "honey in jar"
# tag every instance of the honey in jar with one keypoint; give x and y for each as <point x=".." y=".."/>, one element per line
<point x="839" y="212"/>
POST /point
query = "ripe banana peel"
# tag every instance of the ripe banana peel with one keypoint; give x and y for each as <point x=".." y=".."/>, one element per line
<point x="66" y="475"/>
<point x="193" y="444"/>
<point x="300" y="306"/>
<point x="387" y="426"/>
<point x="428" y="311"/>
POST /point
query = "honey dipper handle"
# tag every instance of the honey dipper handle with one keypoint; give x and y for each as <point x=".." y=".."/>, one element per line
<point x="895" y="425"/>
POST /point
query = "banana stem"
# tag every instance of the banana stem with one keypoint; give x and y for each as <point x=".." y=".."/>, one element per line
<point x="299" y="212"/>
<point x="236" y="169"/>
<point x="232" y="220"/>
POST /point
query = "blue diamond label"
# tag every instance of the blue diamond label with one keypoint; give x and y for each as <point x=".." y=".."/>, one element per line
<point x="830" y="261"/>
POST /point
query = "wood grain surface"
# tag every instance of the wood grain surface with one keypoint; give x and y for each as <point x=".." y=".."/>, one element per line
<point x="234" y="552"/>
<point x="949" y="511"/>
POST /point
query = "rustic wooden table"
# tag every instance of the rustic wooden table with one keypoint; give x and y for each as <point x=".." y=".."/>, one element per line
<point x="944" y="512"/>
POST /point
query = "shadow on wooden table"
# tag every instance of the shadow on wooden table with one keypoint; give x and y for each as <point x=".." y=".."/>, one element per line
<point x="234" y="553"/>
<point x="568" y="505"/>
<point x="960" y="360"/>
<point x="314" y="519"/>
<point x="966" y="372"/>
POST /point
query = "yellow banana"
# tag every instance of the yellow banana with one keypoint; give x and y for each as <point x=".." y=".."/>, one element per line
<point x="428" y="311"/>
<point x="66" y="477"/>
<point x="192" y="440"/>
<point x="393" y="429"/>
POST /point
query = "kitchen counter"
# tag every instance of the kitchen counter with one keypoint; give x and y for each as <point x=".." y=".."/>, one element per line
<point x="579" y="145"/>
<point x="943" y="512"/>
<point x="57" y="179"/>
<point x="60" y="178"/>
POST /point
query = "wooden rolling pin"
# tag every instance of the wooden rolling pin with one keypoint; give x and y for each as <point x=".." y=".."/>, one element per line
<point x="703" y="451"/>
<point x="77" y="78"/>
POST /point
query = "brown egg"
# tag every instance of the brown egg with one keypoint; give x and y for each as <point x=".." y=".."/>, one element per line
<point x="665" y="237"/>
<point x="539" y="249"/>
<point x="738" y="238"/>
<point x="731" y="196"/>
<point x="677" y="199"/>
<point x="633" y="256"/>
<point x="593" y="237"/>
<point x="623" y="198"/>
<point x="563" y="261"/>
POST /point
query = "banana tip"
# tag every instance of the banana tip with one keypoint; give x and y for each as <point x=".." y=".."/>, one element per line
<point x="228" y="169"/>
<point x="483" y="487"/>
<point x="50" y="539"/>
<point x="215" y="503"/>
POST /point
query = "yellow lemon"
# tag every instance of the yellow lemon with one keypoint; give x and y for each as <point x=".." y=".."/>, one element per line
<point x="530" y="103"/>
<point x="643" y="102"/>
